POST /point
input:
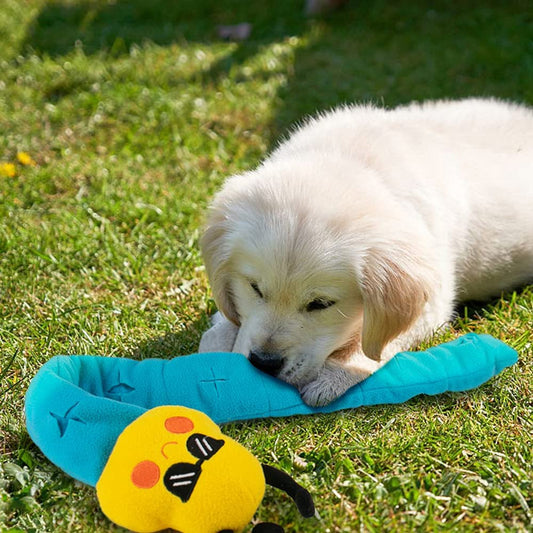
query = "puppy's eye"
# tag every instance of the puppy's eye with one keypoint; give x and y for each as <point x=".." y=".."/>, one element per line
<point x="256" y="289"/>
<point x="318" y="304"/>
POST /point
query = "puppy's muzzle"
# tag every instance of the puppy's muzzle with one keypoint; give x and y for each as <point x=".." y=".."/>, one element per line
<point x="270" y="363"/>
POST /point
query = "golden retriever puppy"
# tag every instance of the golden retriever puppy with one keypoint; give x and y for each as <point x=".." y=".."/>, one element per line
<point x="357" y="236"/>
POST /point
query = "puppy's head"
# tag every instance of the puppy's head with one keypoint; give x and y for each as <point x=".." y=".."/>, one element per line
<point x="308" y="274"/>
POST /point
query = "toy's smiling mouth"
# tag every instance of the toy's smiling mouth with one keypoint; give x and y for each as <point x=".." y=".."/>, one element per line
<point x="163" y="453"/>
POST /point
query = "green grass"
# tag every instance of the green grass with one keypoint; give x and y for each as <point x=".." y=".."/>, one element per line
<point x="134" y="113"/>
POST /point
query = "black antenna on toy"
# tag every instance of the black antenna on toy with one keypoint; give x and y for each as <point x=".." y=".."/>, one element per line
<point x="303" y="500"/>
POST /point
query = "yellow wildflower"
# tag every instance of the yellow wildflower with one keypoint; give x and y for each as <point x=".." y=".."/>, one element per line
<point x="25" y="159"/>
<point x="7" y="170"/>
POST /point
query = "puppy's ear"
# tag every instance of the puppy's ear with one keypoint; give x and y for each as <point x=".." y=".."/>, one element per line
<point x="395" y="289"/>
<point x="216" y="250"/>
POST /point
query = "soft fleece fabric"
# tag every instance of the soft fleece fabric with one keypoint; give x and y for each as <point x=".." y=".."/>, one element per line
<point x="77" y="406"/>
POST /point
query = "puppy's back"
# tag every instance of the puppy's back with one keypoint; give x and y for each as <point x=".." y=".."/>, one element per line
<point x="363" y="129"/>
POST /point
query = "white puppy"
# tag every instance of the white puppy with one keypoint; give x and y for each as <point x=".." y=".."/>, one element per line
<point x="357" y="236"/>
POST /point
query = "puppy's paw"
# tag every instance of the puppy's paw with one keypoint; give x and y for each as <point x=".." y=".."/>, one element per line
<point x="332" y="381"/>
<point x="220" y="337"/>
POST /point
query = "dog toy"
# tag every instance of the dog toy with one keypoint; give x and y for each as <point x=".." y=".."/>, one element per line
<point x="173" y="468"/>
<point x="78" y="406"/>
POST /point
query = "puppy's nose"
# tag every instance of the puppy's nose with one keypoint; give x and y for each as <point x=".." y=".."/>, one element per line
<point x="270" y="363"/>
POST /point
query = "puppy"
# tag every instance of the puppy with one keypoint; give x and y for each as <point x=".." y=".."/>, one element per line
<point x="357" y="236"/>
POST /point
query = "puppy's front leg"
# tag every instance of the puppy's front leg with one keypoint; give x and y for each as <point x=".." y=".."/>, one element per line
<point x="220" y="337"/>
<point x="336" y="377"/>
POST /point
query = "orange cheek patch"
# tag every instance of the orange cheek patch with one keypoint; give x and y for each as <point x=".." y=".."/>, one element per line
<point x="179" y="424"/>
<point x="145" y="474"/>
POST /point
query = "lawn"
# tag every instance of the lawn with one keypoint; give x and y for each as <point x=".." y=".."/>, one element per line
<point x="118" y="121"/>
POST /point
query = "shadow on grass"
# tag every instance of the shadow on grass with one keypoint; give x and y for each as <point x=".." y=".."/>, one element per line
<point x="103" y="25"/>
<point x="372" y="50"/>
<point x="114" y="27"/>
<point x="391" y="53"/>
<point x="474" y="310"/>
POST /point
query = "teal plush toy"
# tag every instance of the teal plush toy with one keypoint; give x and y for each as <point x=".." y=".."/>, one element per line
<point x="77" y="406"/>
<point x="141" y="431"/>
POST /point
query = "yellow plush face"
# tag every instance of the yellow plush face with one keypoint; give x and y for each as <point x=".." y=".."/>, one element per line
<point x="173" y="468"/>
